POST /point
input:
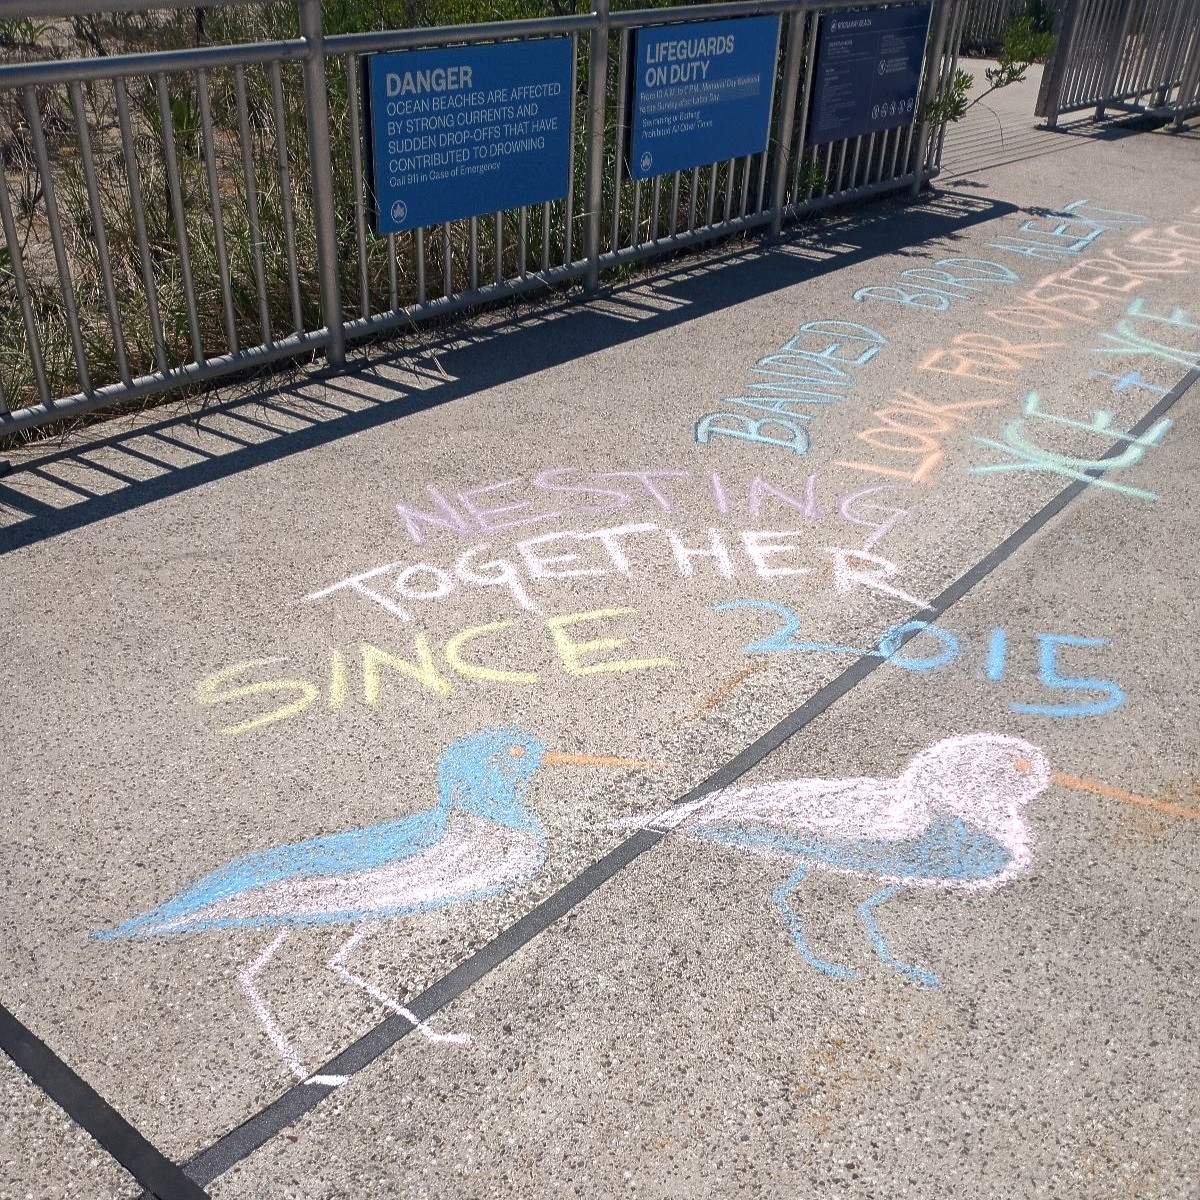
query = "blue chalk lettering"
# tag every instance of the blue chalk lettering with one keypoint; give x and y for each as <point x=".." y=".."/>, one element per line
<point x="780" y="642"/>
<point x="752" y="430"/>
<point x="997" y="651"/>
<point x="894" y="639"/>
<point x="1114" y="697"/>
<point x="1133" y="379"/>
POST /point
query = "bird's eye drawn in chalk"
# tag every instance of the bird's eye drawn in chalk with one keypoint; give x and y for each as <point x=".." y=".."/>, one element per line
<point x="479" y="840"/>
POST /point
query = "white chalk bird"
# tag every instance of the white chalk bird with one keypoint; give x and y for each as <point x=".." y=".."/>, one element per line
<point x="953" y="818"/>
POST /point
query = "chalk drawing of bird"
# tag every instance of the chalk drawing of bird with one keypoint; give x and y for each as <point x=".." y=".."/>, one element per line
<point x="953" y="819"/>
<point x="477" y="841"/>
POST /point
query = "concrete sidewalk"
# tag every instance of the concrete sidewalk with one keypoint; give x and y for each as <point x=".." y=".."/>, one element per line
<point x="786" y="513"/>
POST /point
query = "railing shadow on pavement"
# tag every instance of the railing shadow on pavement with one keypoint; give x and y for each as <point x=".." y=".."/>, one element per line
<point x="980" y="146"/>
<point x="97" y="473"/>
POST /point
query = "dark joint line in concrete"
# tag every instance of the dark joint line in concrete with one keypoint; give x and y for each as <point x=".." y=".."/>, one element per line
<point x="257" y="1130"/>
<point x="89" y="1110"/>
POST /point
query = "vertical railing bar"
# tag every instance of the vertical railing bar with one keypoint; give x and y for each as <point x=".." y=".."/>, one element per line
<point x="393" y="274"/>
<point x="635" y="238"/>
<point x="870" y="168"/>
<point x="594" y="179"/>
<point x="447" y="260"/>
<point x="523" y="243"/>
<point x="619" y="156"/>
<point x="56" y="237"/>
<point x="316" y="116"/>
<point x="177" y="205"/>
<point x="134" y="178"/>
<point x="545" y="255"/>
<point x="695" y="183"/>
<point x="420" y="253"/>
<point x="854" y="161"/>
<point x="674" y="203"/>
<point x="745" y="184"/>
<point x="260" y="269"/>
<point x="569" y="226"/>
<point x="712" y="193"/>
<point x="1054" y="79"/>
<point x="802" y="124"/>
<point x="782" y="150"/>
<point x="896" y="137"/>
<point x="657" y="208"/>
<point x="285" y="195"/>
<point x="954" y="41"/>
<point x="218" y="215"/>
<point x="498" y="232"/>
<point x="729" y="173"/>
<point x="16" y="264"/>
<point x="473" y="254"/>
<point x="934" y="50"/>
<point x="826" y="181"/>
<point x="356" y="174"/>
<point x="106" y="276"/>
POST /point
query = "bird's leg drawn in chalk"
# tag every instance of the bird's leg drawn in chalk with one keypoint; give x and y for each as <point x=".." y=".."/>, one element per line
<point x="245" y="978"/>
<point x="477" y="841"/>
<point x="917" y="974"/>
<point x="796" y="928"/>
<point x="337" y="964"/>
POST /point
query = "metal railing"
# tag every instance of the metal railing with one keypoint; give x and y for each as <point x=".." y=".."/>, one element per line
<point x="173" y="217"/>
<point x="1135" y="56"/>
<point x="986" y="19"/>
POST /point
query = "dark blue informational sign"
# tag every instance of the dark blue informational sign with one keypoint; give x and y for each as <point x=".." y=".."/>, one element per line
<point x="701" y="93"/>
<point x="467" y="131"/>
<point x="868" y="71"/>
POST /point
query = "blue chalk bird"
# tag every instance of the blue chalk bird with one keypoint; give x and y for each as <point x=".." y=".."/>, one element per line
<point x="477" y="841"/>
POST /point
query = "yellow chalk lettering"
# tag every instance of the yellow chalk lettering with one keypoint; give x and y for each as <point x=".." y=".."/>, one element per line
<point x="208" y="691"/>
<point x="337" y="680"/>
<point x="424" y="671"/>
<point x="572" y="653"/>
<point x="452" y="651"/>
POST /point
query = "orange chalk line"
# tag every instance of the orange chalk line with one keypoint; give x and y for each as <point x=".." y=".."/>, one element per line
<point x="1103" y="789"/>
<point x="723" y="692"/>
<point x="600" y="760"/>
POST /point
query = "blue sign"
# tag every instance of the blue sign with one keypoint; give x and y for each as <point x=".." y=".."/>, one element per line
<point x="701" y="93"/>
<point x="868" y="71"/>
<point x="467" y="131"/>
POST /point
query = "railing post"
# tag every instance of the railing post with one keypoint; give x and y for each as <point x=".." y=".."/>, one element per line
<point x="1050" y="95"/>
<point x="597" y="85"/>
<point x="933" y="75"/>
<point x="316" y="111"/>
<point x="791" y="78"/>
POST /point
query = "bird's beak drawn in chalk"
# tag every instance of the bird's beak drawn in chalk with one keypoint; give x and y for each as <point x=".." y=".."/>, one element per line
<point x="558" y="758"/>
<point x="1080" y="784"/>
